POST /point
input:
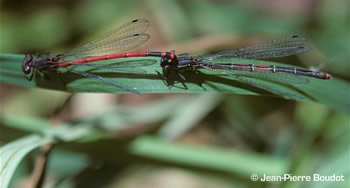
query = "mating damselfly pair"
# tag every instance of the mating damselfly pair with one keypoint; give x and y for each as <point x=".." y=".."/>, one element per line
<point x="114" y="44"/>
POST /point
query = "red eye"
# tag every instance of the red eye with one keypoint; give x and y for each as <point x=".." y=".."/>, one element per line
<point x="26" y="70"/>
<point x="27" y="63"/>
<point x="166" y="67"/>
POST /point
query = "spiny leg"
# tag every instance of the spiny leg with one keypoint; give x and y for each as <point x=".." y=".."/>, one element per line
<point x="30" y="78"/>
<point x="42" y="74"/>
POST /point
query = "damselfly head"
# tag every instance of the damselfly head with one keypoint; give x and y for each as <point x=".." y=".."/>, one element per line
<point x="26" y="64"/>
<point x="169" y="60"/>
<point x="165" y="62"/>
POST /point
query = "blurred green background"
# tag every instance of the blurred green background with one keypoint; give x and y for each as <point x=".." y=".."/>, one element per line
<point x="173" y="140"/>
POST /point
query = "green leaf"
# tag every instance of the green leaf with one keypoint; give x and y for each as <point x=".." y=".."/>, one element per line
<point x="234" y="162"/>
<point x="13" y="153"/>
<point x="185" y="119"/>
<point x="145" y="147"/>
<point x="316" y="90"/>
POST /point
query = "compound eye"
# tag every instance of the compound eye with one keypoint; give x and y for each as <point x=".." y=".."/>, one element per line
<point x="163" y="61"/>
<point x="26" y="64"/>
<point x="26" y="70"/>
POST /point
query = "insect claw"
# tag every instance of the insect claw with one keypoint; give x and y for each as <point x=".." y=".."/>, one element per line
<point x="182" y="77"/>
<point x="162" y="76"/>
<point x="30" y="78"/>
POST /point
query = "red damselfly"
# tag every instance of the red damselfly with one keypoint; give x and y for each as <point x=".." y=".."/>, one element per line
<point x="282" y="47"/>
<point x="106" y="47"/>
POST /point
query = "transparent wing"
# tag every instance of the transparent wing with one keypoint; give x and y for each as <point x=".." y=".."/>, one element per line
<point x="276" y="77"/>
<point x="286" y="78"/>
<point x="251" y="82"/>
<point x="274" y="48"/>
<point x="105" y="81"/>
<point x="120" y="39"/>
<point x="111" y="47"/>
